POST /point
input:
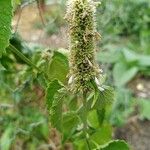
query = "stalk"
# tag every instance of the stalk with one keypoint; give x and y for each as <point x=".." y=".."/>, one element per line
<point x="82" y="42"/>
<point x="22" y="56"/>
<point x="85" y="123"/>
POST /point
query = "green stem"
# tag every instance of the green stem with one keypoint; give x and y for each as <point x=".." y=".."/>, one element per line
<point x="23" y="57"/>
<point x="85" y="123"/>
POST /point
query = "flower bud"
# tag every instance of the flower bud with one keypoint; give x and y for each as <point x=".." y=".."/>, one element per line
<point x="82" y="28"/>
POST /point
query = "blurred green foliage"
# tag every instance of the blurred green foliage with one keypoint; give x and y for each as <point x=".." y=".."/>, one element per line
<point x="124" y="49"/>
<point x="124" y="54"/>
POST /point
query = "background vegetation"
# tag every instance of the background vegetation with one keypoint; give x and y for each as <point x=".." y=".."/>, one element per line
<point x="123" y="53"/>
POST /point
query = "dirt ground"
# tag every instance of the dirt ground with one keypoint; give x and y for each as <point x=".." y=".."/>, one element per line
<point x="135" y="132"/>
<point x="24" y="23"/>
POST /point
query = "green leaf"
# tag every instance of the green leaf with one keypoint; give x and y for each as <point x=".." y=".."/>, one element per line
<point x="142" y="60"/>
<point x="6" y="138"/>
<point x="122" y="74"/>
<point x="54" y="96"/>
<point x="56" y="111"/>
<point x="105" y="98"/>
<point x="144" y="106"/>
<point x="122" y="107"/>
<point x="110" y="56"/>
<point x="93" y="119"/>
<point x="80" y="145"/>
<point x="102" y="135"/>
<point x="101" y="115"/>
<point x="53" y="87"/>
<point x="103" y="95"/>
<point x="58" y="67"/>
<point x="5" y="24"/>
<point x="130" y="56"/>
<point x="73" y="103"/>
<point x="115" y="145"/>
<point x="70" y="122"/>
<point x="16" y="2"/>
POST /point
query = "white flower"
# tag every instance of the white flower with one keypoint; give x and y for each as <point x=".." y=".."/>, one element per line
<point x="70" y="80"/>
<point x="101" y="89"/>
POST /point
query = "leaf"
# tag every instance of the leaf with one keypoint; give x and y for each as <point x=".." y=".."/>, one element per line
<point x="144" y="106"/>
<point x="130" y="56"/>
<point x="56" y="111"/>
<point x="73" y="103"/>
<point x="70" y="122"/>
<point x="109" y="56"/>
<point x="5" y="24"/>
<point x="115" y="145"/>
<point x="142" y="60"/>
<point x="93" y="119"/>
<point x="122" y="74"/>
<point x="6" y="138"/>
<point x="80" y="145"/>
<point x="105" y="97"/>
<point x="53" y="87"/>
<point x="122" y="107"/>
<point x="54" y="96"/>
<point x="102" y="135"/>
<point x="101" y="115"/>
<point x="16" y="2"/>
<point x="102" y="95"/>
<point x="58" y="67"/>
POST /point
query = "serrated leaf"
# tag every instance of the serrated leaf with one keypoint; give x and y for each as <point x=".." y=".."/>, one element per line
<point x="56" y="111"/>
<point x="105" y="97"/>
<point x="102" y="95"/>
<point x="5" y="24"/>
<point x="115" y="145"/>
<point x="54" y="96"/>
<point x="102" y="135"/>
<point x="52" y="89"/>
<point x="70" y="122"/>
<point x="58" y="67"/>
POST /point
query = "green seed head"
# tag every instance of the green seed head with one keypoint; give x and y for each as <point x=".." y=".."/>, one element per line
<point x="82" y="36"/>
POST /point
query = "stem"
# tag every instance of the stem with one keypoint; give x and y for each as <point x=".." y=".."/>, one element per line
<point x="23" y="57"/>
<point x="85" y="123"/>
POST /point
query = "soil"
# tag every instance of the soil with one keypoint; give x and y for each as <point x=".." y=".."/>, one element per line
<point x="135" y="132"/>
<point x="24" y="23"/>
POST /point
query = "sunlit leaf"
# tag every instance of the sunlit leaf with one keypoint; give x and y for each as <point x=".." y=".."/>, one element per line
<point x="5" y="24"/>
<point x="6" y="138"/>
<point x="115" y="145"/>
<point x="58" y="67"/>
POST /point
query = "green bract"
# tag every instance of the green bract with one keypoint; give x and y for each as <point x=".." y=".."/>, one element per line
<point x="82" y="36"/>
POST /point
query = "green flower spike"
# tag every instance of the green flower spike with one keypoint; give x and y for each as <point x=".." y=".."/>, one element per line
<point x="82" y="36"/>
